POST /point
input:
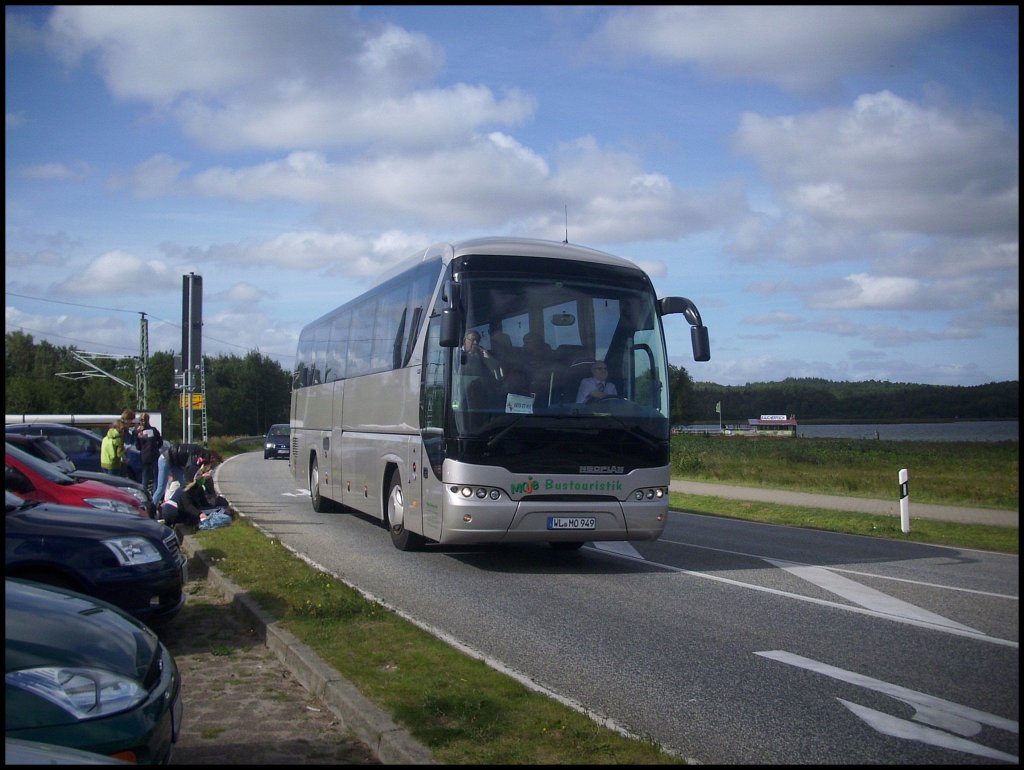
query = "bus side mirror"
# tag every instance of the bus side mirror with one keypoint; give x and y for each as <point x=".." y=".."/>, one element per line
<point x="698" y="331"/>
<point x="450" y="336"/>
<point x="701" y="344"/>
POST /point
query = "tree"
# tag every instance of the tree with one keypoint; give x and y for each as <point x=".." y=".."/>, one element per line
<point x="684" y="408"/>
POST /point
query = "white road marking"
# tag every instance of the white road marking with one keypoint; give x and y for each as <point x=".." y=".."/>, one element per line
<point x="618" y="547"/>
<point x="864" y="595"/>
<point x="914" y="621"/>
<point x="939" y="713"/>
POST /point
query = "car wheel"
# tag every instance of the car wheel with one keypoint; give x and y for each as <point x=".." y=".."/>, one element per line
<point x="403" y="539"/>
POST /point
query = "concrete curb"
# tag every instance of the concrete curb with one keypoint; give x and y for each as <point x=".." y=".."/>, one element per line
<point x="393" y="744"/>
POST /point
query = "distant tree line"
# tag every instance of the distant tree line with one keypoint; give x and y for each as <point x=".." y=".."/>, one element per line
<point x="246" y="395"/>
<point x="870" y="401"/>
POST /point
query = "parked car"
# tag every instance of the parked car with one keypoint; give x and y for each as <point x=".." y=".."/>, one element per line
<point x="278" y="441"/>
<point x="80" y="445"/>
<point x="44" y="449"/>
<point x="36" y="479"/>
<point x="81" y="673"/>
<point x="35" y="753"/>
<point x="134" y="563"/>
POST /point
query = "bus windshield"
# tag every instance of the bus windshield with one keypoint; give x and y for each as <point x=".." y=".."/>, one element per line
<point x="580" y="344"/>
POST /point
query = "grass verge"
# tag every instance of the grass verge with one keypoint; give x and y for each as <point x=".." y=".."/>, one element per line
<point x="984" y="537"/>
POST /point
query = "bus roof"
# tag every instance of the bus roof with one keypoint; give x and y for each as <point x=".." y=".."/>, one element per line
<point x="527" y="247"/>
<point x="533" y="247"/>
<point x="494" y="245"/>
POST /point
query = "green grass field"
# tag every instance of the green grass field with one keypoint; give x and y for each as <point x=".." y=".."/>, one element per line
<point x="974" y="474"/>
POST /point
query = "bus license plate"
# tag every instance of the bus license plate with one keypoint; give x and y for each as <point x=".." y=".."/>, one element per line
<point x="572" y="522"/>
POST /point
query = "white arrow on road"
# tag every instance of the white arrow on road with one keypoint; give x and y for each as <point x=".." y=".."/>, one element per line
<point x="928" y="710"/>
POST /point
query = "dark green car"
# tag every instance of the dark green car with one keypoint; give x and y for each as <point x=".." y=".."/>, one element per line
<point x="83" y="674"/>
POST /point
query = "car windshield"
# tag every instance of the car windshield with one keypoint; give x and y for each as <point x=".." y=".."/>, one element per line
<point x="47" y="470"/>
<point x="279" y="430"/>
<point x="43" y="449"/>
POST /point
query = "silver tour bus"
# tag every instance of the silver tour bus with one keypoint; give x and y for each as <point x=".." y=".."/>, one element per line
<point x="395" y="414"/>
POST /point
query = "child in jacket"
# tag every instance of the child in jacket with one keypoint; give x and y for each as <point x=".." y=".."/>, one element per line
<point x="112" y="452"/>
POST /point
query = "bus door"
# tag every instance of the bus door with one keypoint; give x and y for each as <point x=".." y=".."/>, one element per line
<point x="433" y="401"/>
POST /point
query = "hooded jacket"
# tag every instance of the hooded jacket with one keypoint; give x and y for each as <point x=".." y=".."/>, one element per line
<point x="112" y="450"/>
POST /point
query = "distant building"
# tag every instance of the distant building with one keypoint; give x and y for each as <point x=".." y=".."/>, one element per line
<point x="765" y="425"/>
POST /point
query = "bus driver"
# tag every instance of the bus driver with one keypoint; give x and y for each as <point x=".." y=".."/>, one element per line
<point x="596" y="386"/>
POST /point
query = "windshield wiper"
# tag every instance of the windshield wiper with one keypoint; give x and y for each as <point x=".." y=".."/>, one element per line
<point x="501" y="434"/>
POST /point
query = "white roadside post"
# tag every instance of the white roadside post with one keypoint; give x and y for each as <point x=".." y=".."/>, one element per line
<point x="904" y="502"/>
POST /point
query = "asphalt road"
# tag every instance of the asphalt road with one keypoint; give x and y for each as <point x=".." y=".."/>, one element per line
<point x="726" y="641"/>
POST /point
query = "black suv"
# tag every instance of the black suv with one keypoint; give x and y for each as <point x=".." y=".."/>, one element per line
<point x="132" y="562"/>
<point x="278" y="441"/>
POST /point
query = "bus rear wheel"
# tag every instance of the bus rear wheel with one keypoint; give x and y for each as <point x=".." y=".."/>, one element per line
<point x="403" y="539"/>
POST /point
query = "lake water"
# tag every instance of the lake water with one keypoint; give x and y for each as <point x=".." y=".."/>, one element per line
<point x="994" y="430"/>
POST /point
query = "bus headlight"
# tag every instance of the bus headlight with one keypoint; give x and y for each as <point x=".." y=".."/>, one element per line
<point x="480" y="493"/>
<point x="650" y="493"/>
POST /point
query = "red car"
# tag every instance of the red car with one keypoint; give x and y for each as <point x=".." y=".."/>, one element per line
<point x="35" y="479"/>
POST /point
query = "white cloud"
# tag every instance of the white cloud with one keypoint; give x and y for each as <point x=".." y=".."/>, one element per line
<point x="58" y="172"/>
<point x="799" y="48"/>
<point x="284" y="77"/>
<point x="120" y="277"/>
<point x="302" y="251"/>
<point x="153" y="178"/>
<point x="890" y="164"/>
<point x="866" y="291"/>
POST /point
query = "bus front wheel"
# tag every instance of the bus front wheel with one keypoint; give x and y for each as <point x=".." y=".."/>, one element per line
<point x="319" y="503"/>
<point x="403" y="539"/>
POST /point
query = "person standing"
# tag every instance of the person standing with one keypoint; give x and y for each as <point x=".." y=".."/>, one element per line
<point x="128" y="427"/>
<point x="112" y="452"/>
<point x="149" y="441"/>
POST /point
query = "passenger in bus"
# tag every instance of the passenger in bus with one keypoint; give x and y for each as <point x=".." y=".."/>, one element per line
<point x="476" y="361"/>
<point x="596" y="387"/>
<point x="501" y="346"/>
<point x="536" y="350"/>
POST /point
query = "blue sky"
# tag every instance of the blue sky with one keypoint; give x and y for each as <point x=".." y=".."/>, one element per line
<point x="835" y="187"/>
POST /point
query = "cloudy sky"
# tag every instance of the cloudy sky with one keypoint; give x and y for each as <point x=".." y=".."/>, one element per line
<point x="835" y="187"/>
